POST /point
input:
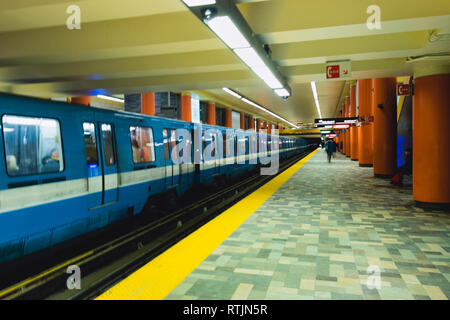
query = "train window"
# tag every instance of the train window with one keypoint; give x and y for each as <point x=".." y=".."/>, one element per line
<point x="142" y="144"/>
<point x="225" y="149"/>
<point x="90" y="144"/>
<point x="108" y="144"/>
<point x="173" y="141"/>
<point x="32" y="145"/>
<point x="166" y="144"/>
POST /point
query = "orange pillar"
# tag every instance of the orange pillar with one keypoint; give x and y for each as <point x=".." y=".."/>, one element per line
<point x="211" y="113"/>
<point x="431" y="151"/>
<point x="347" y="131"/>
<point x="228" y="118"/>
<point x="86" y="101"/>
<point x="251" y="123"/>
<point x="365" y="144"/>
<point x="148" y="103"/>
<point x="242" y="121"/>
<point x="186" y="113"/>
<point x="269" y="128"/>
<point x="384" y="101"/>
<point x="353" y="128"/>
<point x="258" y="125"/>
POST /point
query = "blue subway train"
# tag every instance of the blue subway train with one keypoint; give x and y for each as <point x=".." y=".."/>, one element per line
<point x="66" y="170"/>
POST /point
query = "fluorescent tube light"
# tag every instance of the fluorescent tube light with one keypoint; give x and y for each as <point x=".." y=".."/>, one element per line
<point x="282" y="92"/>
<point x="314" y="90"/>
<point x="110" y="98"/>
<point x="250" y="57"/>
<point x="228" y="32"/>
<point x="196" y="3"/>
<point x="316" y="98"/>
<point x="252" y="103"/>
<point x="268" y="111"/>
<point x="267" y="76"/>
<point x="254" y="61"/>
<point x="232" y="93"/>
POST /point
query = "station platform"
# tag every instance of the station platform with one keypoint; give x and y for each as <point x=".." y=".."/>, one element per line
<point x="310" y="233"/>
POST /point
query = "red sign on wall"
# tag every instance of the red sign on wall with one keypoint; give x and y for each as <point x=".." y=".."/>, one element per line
<point x="403" y="89"/>
<point x="333" y="71"/>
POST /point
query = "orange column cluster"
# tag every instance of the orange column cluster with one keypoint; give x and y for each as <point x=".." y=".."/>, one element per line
<point x="211" y="114"/>
<point x="384" y="101"/>
<point x="431" y="151"/>
<point x="258" y="125"/>
<point x="148" y="103"/>
<point x="365" y="143"/>
<point x="251" y="123"/>
<point x="228" y="118"/>
<point x="186" y="113"/>
<point x="347" y="131"/>
<point x="353" y="128"/>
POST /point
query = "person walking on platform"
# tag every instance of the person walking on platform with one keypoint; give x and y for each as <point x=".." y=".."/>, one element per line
<point x="329" y="147"/>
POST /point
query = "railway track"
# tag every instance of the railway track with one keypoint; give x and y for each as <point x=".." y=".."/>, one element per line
<point x="111" y="262"/>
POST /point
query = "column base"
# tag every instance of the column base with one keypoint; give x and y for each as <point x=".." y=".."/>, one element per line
<point x="383" y="176"/>
<point x="431" y="205"/>
<point x="354" y="159"/>
<point x="366" y="165"/>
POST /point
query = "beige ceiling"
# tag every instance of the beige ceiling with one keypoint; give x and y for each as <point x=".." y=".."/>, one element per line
<point x="130" y="46"/>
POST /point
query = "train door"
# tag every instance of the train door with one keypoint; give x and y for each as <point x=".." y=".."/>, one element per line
<point x="109" y="162"/>
<point x="94" y="167"/>
<point x="168" y="165"/>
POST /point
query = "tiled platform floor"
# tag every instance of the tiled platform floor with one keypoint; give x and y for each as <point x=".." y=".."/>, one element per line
<point x="318" y="234"/>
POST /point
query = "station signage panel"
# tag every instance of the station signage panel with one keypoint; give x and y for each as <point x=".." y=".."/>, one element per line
<point x="338" y="69"/>
<point x="333" y="121"/>
<point x="341" y="126"/>
<point x="403" y="89"/>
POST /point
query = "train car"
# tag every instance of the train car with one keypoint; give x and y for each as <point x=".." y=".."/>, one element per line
<point x="67" y="170"/>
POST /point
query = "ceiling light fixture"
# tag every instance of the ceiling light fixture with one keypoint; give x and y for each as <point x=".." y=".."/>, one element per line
<point x="196" y="3"/>
<point x="228" y="32"/>
<point x="250" y="57"/>
<point x="232" y="93"/>
<point x="282" y="92"/>
<point x="316" y="98"/>
<point x="268" y="111"/>
<point x="267" y="76"/>
<point x="110" y="98"/>
<point x="226" y="21"/>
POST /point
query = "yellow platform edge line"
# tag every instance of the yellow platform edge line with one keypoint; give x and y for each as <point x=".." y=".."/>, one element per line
<point x="159" y="277"/>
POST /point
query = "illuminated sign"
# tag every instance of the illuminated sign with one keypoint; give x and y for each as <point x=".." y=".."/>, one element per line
<point x="338" y="69"/>
<point x="341" y="126"/>
<point x="403" y="89"/>
<point x="333" y="121"/>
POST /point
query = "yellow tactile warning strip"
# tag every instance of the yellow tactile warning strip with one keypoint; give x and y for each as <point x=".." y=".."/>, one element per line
<point x="159" y="277"/>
